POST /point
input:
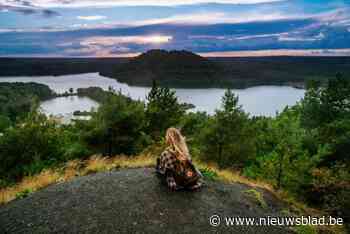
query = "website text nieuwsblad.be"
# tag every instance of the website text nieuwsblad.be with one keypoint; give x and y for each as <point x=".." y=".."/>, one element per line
<point x="216" y="220"/>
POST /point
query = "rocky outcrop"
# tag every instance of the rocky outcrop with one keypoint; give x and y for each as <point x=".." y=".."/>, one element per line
<point x="134" y="201"/>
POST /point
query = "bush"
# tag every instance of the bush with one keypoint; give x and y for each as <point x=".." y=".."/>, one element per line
<point x="24" y="193"/>
<point x="117" y="126"/>
<point x="76" y="150"/>
<point x="282" y="159"/>
<point x="208" y="174"/>
<point x="5" y="122"/>
<point x="32" y="141"/>
<point x="35" y="144"/>
<point x="330" y="189"/>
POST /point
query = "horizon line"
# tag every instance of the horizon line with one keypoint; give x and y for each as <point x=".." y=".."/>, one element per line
<point x="345" y="52"/>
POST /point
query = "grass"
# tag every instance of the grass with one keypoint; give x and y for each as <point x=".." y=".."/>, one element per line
<point x="68" y="171"/>
<point x="24" y="193"/>
<point x="257" y="197"/>
<point x="31" y="183"/>
<point x="305" y="229"/>
<point x="97" y="163"/>
<point x="231" y="176"/>
<point x="208" y="174"/>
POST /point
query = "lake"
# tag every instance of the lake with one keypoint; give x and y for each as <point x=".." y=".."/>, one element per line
<point x="258" y="101"/>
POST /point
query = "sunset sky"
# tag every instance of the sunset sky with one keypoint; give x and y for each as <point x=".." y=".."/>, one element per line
<point x="88" y="28"/>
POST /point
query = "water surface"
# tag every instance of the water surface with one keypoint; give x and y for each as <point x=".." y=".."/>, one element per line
<point x="258" y="101"/>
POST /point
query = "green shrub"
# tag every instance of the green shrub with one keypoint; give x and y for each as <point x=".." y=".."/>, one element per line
<point x="208" y="173"/>
<point x="24" y="193"/>
<point x="257" y="197"/>
<point x="305" y="229"/>
<point x="5" y="122"/>
<point x="118" y="125"/>
<point x="35" y="144"/>
<point x="75" y="150"/>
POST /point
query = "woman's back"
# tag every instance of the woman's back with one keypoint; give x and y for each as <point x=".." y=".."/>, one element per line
<point x="176" y="165"/>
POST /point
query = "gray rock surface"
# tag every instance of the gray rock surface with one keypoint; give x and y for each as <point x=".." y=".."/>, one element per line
<point x="134" y="201"/>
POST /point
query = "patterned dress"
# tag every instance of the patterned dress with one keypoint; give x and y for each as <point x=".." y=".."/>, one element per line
<point x="166" y="166"/>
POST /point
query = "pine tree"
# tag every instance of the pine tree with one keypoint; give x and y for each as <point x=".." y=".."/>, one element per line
<point x="228" y="138"/>
<point x="163" y="110"/>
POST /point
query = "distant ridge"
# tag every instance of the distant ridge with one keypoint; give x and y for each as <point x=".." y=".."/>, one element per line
<point x="173" y="68"/>
<point x="188" y="71"/>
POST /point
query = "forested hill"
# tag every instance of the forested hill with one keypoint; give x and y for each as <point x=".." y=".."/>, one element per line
<point x="173" y="68"/>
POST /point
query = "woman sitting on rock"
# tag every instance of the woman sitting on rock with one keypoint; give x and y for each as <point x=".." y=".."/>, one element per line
<point x="175" y="164"/>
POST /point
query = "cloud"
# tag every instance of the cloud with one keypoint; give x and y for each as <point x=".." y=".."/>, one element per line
<point x="26" y="8"/>
<point x="49" y="13"/>
<point x="220" y="18"/>
<point x="109" y="46"/>
<point x="92" y="17"/>
<point x="107" y="3"/>
<point x="288" y="37"/>
<point x="113" y="40"/>
<point x="280" y="52"/>
<point x="206" y="28"/>
<point x="233" y="37"/>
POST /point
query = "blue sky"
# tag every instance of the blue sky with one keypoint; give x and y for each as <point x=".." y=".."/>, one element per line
<point x="214" y="28"/>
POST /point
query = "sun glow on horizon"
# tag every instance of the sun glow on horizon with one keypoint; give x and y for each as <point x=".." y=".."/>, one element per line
<point x="114" y="40"/>
<point x="157" y="39"/>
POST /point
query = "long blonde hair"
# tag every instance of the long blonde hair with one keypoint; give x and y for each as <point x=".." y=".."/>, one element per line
<point x="177" y="143"/>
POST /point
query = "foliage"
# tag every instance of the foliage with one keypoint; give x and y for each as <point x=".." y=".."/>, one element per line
<point x="117" y="126"/>
<point x="24" y="193"/>
<point x="163" y="110"/>
<point x="191" y="126"/>
<point x="305" y="148"/>
<point x="326" y="114"/>
<point x="5" y="122"/>
<point x="228" y="137"/>
<point x="330" y="187"/>
<point x="305" y="229"/>
<point x="323" y="105"/>
<point x="169" y="68"/>
<point x="283" y="160"/>
<point x="30" y="142"/>
<point x="208" y="173"/>
<point x="33" y="145"/>
<point x="95" y="93"/>
<point x="18" y="99"/>
<point x="251" y="71"/>
<point x="257" y="196"/>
